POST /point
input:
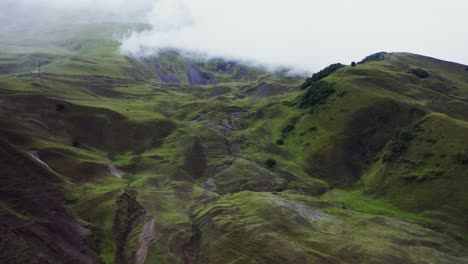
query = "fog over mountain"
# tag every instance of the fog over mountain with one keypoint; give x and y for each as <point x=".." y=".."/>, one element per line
<point x="241" y="131"/>
<point x="297" y="33"/>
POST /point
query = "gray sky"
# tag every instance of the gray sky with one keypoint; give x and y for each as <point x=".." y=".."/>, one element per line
<point x="304" y="34"/>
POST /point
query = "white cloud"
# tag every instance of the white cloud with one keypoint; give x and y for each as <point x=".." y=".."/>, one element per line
<point x="305" y="34"/>
<point x="70" y="11"/>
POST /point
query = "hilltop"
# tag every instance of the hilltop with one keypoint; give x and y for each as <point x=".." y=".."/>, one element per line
<point x="174" y="159"/>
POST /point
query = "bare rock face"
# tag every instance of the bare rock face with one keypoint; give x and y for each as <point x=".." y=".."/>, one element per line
<point x="132" y="223"/>
<point x="198" y="77"/>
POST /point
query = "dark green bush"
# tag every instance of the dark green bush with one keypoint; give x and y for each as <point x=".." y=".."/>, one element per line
<point x="287" y="128"/>
<point x="398" y="144"/>
<point x="353" y="64"/>
<point x="270" y="163"/>
<point x="316" y="94"/>
<point x="374" y="57"/>
<point x="462" y="157"/>
<point x="403" y="134"/>
<point x="280" y="141"/>
<point x="420" y="73"/>
<point x="321" y="74"/>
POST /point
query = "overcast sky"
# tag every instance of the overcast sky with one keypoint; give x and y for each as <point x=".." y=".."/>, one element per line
<point x="304" y="34"/>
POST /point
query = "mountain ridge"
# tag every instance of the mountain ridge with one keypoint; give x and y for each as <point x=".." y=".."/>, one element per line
<point x="231" y="164"/>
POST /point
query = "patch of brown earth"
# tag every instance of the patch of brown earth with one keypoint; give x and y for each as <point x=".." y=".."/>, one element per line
<point x="147" y="238"/>
<point x="129" y="218"/>
<point x="196" y="159"/>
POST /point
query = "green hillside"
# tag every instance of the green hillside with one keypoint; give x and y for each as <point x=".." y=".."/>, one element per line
<point x="107" y="158"/>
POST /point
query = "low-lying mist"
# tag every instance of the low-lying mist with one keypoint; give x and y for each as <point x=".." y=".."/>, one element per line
<point x="300" y="34"/>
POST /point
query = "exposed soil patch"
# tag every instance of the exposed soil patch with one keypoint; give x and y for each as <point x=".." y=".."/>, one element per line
<point x="196" y="159"/>
<point x="165" y="76"/>
<point x="262" y="90"/>
<point x="189" y="249"/>
<point x="244" y="175"/>
<point x="115" y="171"/>
<point x="309" y="213"/>
<point x="209" y="185"/>
<point x="219" y="90"/>
<point x="196" y="77"/>
<point x="147" y="238"/>
<point x="129" y="217"/>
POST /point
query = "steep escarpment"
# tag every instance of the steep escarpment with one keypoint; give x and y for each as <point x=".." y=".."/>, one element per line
<point x="133" y="228"/>
<point x="36" y="225"/>
<point x="104" y="129"/>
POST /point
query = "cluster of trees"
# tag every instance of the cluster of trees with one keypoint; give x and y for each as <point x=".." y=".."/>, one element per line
<point x="317" y="94"/>
<point x="270" y="163"/>
<point x="286" y="130"/>
<point x="374" y="57"/>
<point x="398" y="144"/>
<point x="322" y="74"/>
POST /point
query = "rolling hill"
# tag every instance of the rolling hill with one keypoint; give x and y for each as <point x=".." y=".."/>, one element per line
<point x="108" y="158"/>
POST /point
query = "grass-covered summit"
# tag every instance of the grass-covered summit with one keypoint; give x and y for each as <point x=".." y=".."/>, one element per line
<point x="108" y="158"/>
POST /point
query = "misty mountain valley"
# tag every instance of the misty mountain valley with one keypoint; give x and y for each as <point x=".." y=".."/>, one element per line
<point x="175" y="156"/>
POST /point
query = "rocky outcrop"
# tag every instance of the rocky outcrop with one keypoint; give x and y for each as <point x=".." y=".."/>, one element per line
<point x="133" y="228"/>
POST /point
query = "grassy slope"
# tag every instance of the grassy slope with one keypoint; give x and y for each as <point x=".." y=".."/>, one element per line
<point x="121" y="114"/>
<point x="426" y="177"/>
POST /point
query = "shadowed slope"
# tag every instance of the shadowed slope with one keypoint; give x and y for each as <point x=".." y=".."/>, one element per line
<point x="36" y="227"/>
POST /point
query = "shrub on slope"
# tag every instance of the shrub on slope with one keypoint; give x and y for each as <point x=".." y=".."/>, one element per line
<point x="316" y="94"/>
<point x="374" y="57"/>
<point x="462" y="157"/>
<point x="420" y="73"/>
<point x="321" y="74"/>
